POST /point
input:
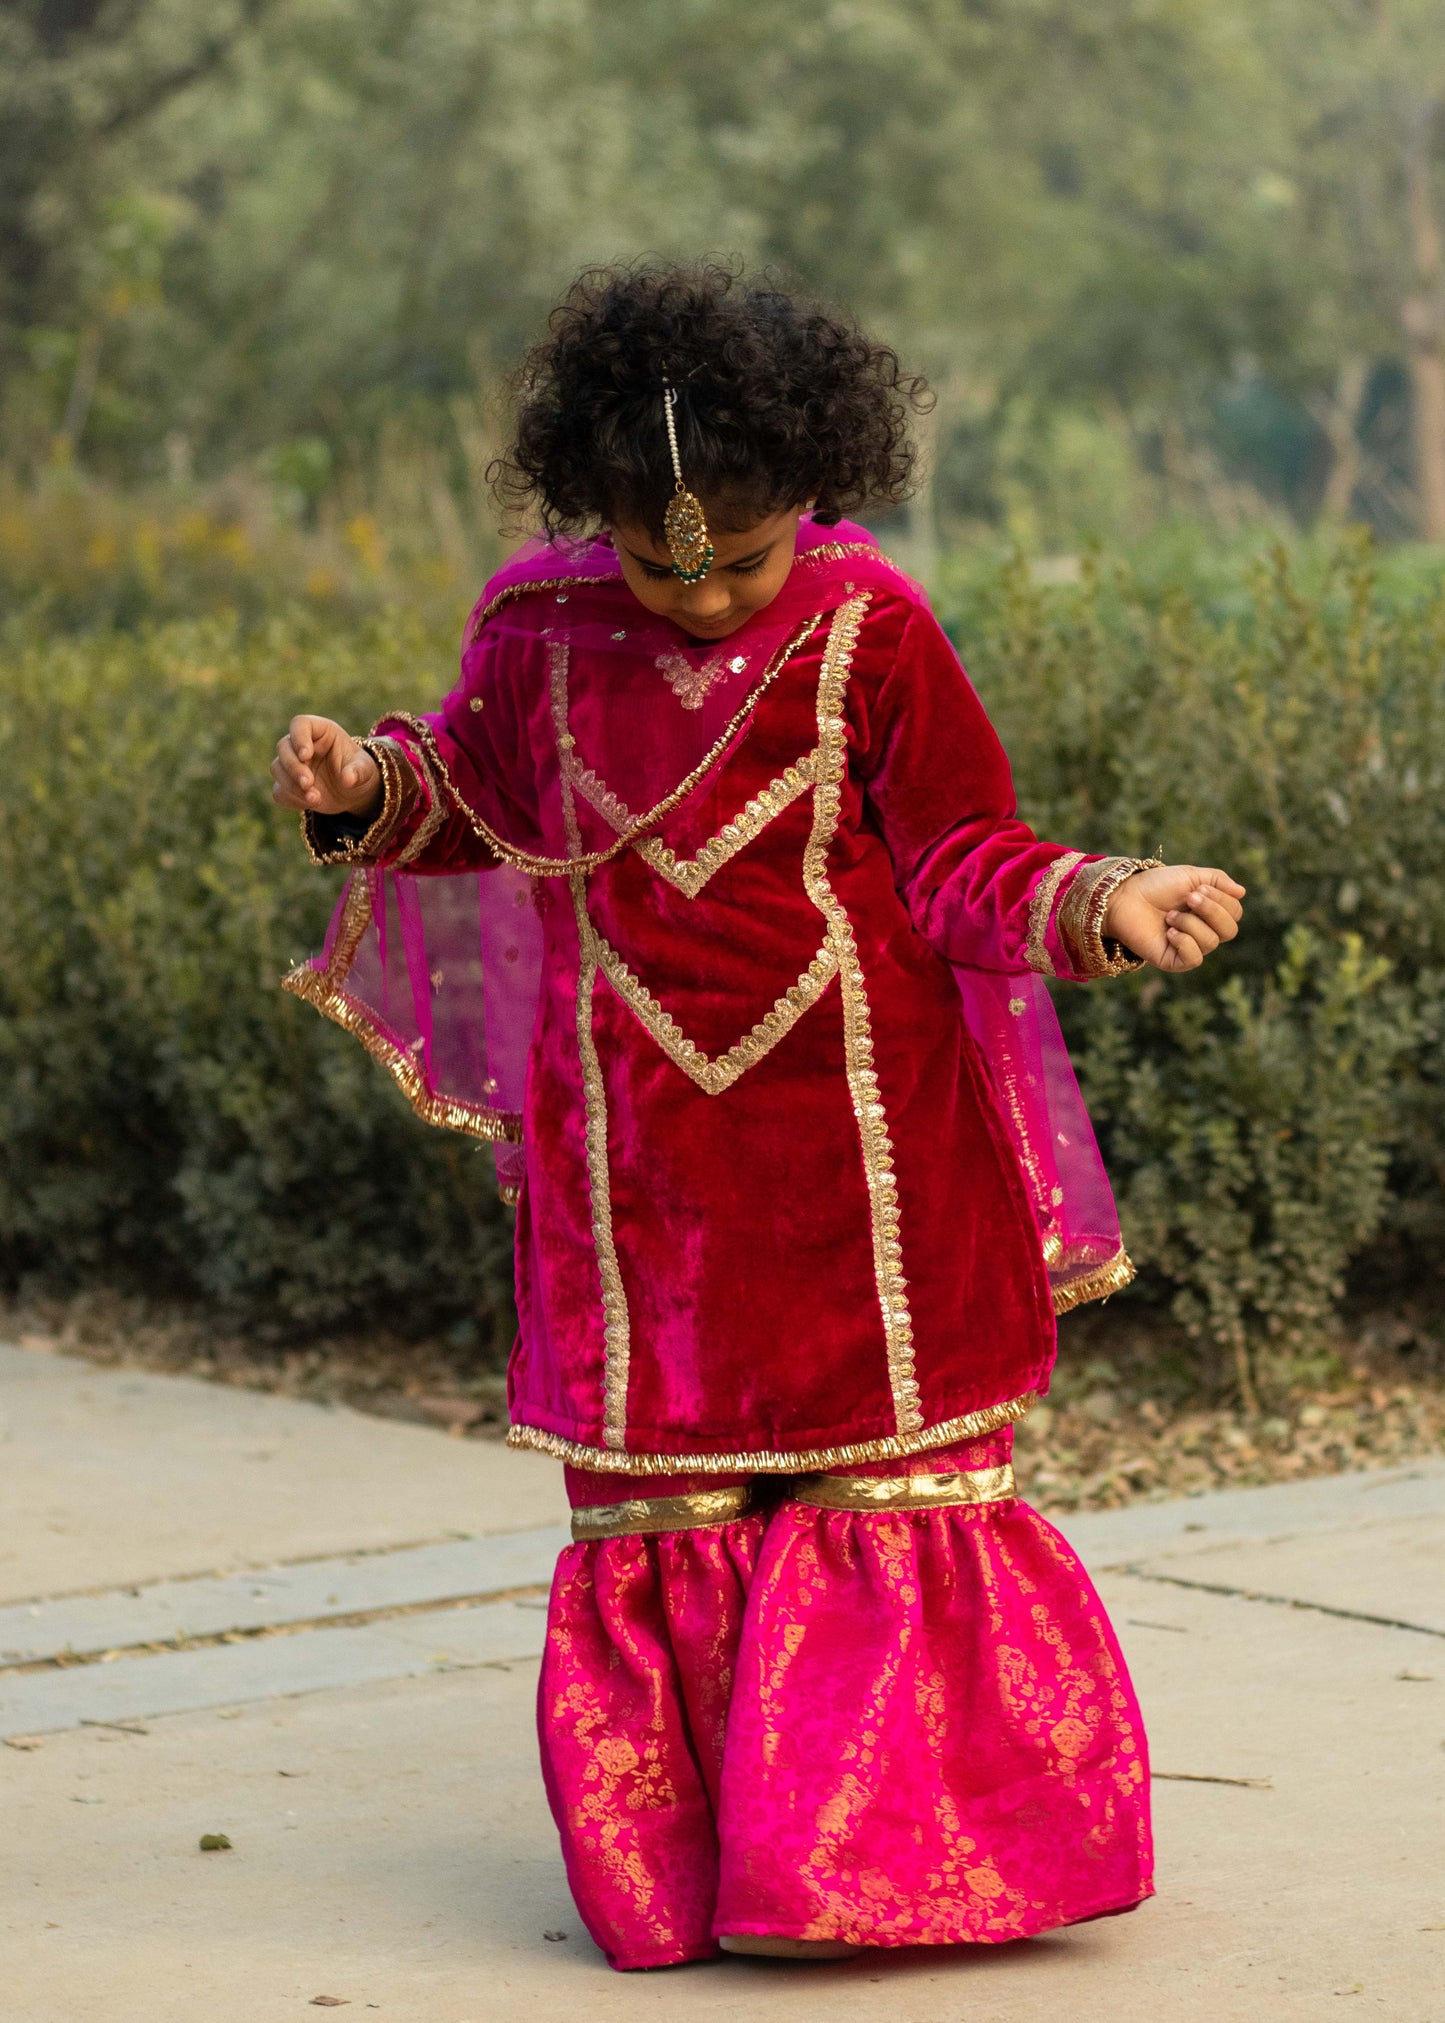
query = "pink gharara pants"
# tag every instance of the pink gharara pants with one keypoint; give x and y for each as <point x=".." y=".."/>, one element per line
<point x="894" y="1727"/>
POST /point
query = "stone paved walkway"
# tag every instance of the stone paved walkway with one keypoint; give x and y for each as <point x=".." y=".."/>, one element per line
<point x="358" y="1609"/>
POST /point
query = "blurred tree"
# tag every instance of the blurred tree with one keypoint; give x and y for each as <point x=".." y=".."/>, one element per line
<point x="260" y="225"/>
<point x="1360" y="206"/>
<point x="77" y="79"/>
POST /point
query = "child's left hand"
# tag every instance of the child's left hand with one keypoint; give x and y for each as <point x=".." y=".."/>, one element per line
<point x="1176" y="914"/>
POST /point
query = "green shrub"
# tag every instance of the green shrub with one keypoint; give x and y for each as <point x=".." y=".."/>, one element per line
<point x="167" y="1117"/>
<point x="1264" y="1118"/>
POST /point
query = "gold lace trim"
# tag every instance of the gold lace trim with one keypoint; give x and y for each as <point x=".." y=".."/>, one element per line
<point x="616" y="1322"/>
<point x="660" y="1513"/>
<point x="690" y="875"/>
<point x="1041" y="908"/>
<point x="771" y="1461"/>
<point x="839" y="551"/>
<point x="868" y="1108"/>
<point x="594" y="790"/>
<point x="563" y="867"/>
<point x="516" y="590"/>
<point x="322" y="989"/>
<point x="1099" y="1283"/>
<point x="907" y="1492"/>
<point x="715" y="1075"/>
<point x="1081" y="918"/>
<point x="436" y="812"/>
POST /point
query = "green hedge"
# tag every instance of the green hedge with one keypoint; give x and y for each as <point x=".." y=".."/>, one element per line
<point x="1270" y="1117"/>
<point x="167" y="1117"/>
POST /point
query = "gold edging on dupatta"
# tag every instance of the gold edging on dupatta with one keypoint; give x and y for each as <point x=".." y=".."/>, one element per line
<point x="1099" y="1283"/>
<point x="321" y="988"/>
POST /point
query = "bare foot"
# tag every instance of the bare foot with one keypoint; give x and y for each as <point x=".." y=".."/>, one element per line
<point x="769" y="1948"/>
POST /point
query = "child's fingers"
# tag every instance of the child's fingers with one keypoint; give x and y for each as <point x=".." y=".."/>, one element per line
<point x="1183" y="949"/>
<point x="312" y="737"/>
<point x="1191" y="928"/>
<point x="287" y="767"/>
<point x="1221" y="914"/>
<point x="284" y="790"/>
<point x="1220" y="881"/>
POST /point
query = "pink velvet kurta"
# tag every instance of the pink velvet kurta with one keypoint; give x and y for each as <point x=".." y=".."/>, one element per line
<point x="773" y="1217"/>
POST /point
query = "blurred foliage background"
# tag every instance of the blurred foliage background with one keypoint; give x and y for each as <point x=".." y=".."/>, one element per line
<point x="1161" y="257"/>
<point x="1177" y="271"/>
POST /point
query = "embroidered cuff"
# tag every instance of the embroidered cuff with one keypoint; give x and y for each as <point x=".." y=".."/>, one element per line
<point x="1041" y="910"/>
<point x="1090" y="952"/>
<point x="344" y="839"/>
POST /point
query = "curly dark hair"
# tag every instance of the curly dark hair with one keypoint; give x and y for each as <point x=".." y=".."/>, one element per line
<point x="780" y="401"/>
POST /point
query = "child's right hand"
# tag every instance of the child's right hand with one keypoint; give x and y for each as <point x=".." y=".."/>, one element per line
<point x="320" y="767"/>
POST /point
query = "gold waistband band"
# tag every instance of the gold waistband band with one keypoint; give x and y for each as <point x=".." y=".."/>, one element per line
<point x="906" y="1492"/>
<point x="660" y="1513"/>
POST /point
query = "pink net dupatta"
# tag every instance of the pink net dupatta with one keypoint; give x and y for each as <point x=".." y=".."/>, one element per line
<point x="1012" y="1021"/>
<point x="438" y="979"/>
<point x="556" y="749"/>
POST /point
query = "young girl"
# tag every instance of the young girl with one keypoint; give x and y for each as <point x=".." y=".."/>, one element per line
<point x="739" y="946"/>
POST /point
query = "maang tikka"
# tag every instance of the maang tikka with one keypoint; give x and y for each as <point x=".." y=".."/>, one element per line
<point x="683" y="526"/>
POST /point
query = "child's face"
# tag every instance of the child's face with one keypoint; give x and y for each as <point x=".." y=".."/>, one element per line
<point x="748" y="571"/>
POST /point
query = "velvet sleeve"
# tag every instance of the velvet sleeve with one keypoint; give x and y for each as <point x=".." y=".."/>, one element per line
<point x="979" y="885"/>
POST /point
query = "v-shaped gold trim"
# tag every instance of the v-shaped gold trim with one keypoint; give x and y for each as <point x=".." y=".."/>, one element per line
<point x="689" y="875"/>
<point x="712" y="1076"/>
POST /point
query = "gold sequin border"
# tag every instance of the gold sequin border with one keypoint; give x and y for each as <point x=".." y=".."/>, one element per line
<point x="714" y="1075"/>
<point x="771" y="1461"/>
<point x="873" y="1138"/>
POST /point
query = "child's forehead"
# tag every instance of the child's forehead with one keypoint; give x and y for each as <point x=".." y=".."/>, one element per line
<point x="730" y="541"/>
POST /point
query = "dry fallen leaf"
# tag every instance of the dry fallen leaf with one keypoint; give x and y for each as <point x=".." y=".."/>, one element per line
<point x="210" y="1842"/>
<point x="330" y="2001"/>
